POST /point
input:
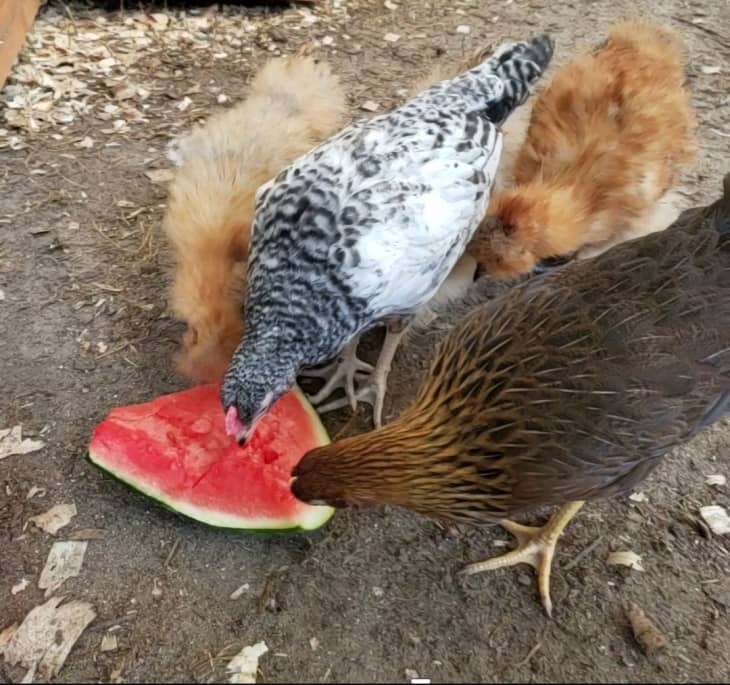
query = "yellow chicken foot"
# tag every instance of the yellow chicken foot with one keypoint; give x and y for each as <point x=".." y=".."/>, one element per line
<point x="535" y="546"/>
<point x="340" y="373"/>
<point x="373" y="392"/>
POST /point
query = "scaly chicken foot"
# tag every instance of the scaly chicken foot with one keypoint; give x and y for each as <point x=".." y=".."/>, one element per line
<point x="373" y="392"/>
<point x="535" y="546"/>
<point x="341" y="373"/>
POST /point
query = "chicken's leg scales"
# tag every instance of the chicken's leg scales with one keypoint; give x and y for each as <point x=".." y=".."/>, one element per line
<point x="339" y="374"/>
<point x="373" y="391"/>
<point x="535" y="546"/>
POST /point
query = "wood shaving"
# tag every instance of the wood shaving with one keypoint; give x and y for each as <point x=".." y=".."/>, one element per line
<point x="19" y="586"/>
<point x="71" y="65"/>
<point x="55" y="518"/>
<point x="160" y="176"/>
<point x="64" y="561"/>
<point x="13" y="443"/>
<point x="244" y="666"/>
<point x="41" y="492"/>
<point x="109" y="643"/>
<point x="630" y="559"/>
<point x="87" y="534"/>
<point x="370" y="106"/>
<point x="716" y="518"/>
<point x="6" y="634"/>
<point x="46" y="636"/>
<point x="239" y="591"/>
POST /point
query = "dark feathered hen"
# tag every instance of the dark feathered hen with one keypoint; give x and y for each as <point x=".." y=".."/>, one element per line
<point x="571" y="386"/>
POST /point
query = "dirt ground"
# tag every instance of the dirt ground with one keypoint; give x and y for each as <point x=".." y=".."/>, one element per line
<point x="373" y="596"/>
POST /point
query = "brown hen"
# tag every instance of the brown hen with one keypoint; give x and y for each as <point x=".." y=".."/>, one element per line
<point x="569" y="387"/>
<point x="607" y="140"/>
<point x="293" y="104"/>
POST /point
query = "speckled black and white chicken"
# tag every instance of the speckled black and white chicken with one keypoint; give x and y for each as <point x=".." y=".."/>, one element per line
<point x="365" y="228"/>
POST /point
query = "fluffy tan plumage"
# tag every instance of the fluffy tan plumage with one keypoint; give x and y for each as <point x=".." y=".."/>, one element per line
<point x="606" y="142"/>
<point x="293" y="104"/>
<point x="571" y="386"/>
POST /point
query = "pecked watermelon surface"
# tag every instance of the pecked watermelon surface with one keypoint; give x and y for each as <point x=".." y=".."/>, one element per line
<point x="175" y="450"/>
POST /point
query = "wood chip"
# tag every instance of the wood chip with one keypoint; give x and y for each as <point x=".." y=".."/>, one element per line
<point x="244" y="666"/>
<point x="55" y="518"/>
<point x="391" y="37"/>
<point x="240" y="590"/>
<point x="13" y="443"/>
<point x="649" y="637"/>
<point x="638" y="497"/>
<point x="87" y="534"/>
<point x="46" y="636"/>
<point x="370" y="106"/>
<point x="6" y="634"/>
<point x="109" y="642"/>
<point x="463" y="29"/>
<point x="711" y="70"/>
<point x="160" y="176"/>
<point x="716" y="518"/>
<point x="19" y="586"/>
<point x="34" y="490"/>
<point x="630" y="559"/>
<point x="64" y="561"/>
<point x="717" y="480"/>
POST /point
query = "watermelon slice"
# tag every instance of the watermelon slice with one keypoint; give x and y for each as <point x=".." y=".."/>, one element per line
<point x="175" y="449"/>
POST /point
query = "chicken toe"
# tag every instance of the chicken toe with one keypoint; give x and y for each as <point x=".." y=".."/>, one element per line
<point x="535" y="546"/>
<point x="341" y="373"/>
<point x="373" y="391"/>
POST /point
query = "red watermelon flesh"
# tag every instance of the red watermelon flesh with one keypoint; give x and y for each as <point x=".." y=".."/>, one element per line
<point x="175" y="449"/>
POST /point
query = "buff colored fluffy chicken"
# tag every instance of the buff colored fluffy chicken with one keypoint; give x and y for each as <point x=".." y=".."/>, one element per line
<point x="293" y="104"/>
<point x="605" y="145"/>
<point x="569" y="387"/>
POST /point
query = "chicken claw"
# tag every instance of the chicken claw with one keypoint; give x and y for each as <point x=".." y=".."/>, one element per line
<point x="340" y="373"/>
<point x="535" y="546"/>
<point x="373" y="392"/>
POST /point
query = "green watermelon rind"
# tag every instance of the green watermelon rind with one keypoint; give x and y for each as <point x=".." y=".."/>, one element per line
<point x="315" y="517"/>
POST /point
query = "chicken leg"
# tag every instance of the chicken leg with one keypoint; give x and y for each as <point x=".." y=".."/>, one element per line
<point x="373" y="391"/>
<point x="535" y="546"/>
<point x="340" y="373"/>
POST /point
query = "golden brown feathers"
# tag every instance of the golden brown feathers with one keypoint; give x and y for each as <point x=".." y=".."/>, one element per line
<point x="293" y="104"/>
<point x="606" y="141"/>
<point x="571" y="386"/>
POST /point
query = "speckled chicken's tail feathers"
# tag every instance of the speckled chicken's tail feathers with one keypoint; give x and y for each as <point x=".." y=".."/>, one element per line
<point x="519" y="66"/>
<point x="516" y="65"/>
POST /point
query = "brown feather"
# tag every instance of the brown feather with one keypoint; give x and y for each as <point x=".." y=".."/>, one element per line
<point x="606" y="141"/>
<point x="570" y="386"/>
<point x="293" y="104"/>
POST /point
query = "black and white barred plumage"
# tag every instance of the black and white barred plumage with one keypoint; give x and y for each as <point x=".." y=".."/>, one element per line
<point x="368" y="225"/>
